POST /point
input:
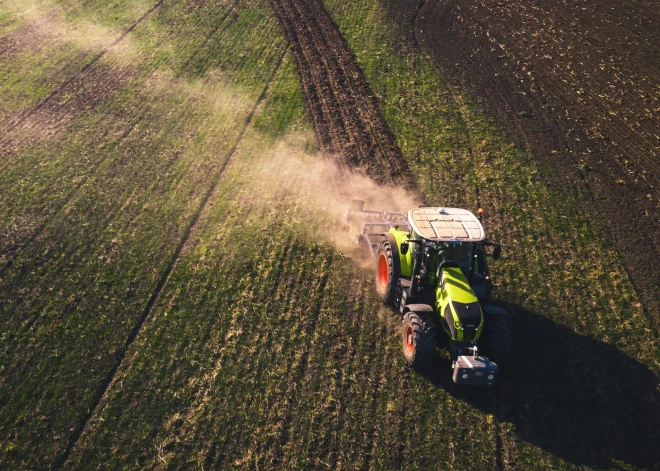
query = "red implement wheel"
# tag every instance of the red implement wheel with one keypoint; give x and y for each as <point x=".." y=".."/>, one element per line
<point x="387" y="276"/>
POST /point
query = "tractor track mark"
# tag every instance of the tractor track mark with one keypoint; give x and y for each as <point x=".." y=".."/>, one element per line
<point x="345" y="115"/>
<point x="24" y="116"/>
<point x="413" y="23"/>
<point x="106" y="384"/>
<point x="499" y="447"/>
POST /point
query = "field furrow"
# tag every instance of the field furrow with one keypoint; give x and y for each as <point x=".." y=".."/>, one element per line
<point x="349" y="114"/>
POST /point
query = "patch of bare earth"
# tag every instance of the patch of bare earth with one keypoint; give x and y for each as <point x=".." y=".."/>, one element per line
<point x="577" y="85"/>
<point x="27" y="37"/>
<point x="346" y="116"/>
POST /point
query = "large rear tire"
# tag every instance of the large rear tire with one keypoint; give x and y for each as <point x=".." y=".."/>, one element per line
<point x="419" y="339"/>
<point x="387" y="276"/>
<point x="498" y="335"/>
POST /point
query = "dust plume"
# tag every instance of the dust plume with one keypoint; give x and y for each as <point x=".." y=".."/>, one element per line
<point x="322" y="189"/>
<point x="36" y="25"/>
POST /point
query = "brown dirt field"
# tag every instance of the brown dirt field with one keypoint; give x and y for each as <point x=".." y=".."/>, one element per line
<point x="577" y="85"/>
<point x="346" y="116"/>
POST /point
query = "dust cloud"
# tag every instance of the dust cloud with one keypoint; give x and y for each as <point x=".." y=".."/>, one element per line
<point x="322" y="190"/>
<point x="44" y="23"/>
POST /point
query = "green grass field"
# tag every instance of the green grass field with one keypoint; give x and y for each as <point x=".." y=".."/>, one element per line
<point x="170" y="292"/>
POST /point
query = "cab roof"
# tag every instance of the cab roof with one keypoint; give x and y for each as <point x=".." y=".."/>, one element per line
<point x="446" y="224"/>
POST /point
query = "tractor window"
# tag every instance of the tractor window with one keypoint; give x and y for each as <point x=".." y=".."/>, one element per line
<point x="459" y="253"/>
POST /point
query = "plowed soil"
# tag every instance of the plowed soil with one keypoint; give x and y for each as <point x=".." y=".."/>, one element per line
<point x="346" y="117"/>
<point x="576" y="83"/>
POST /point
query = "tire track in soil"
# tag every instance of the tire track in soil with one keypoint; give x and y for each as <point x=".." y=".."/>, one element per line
<point x="343" y="110"/>
<point x="189" y="230"/>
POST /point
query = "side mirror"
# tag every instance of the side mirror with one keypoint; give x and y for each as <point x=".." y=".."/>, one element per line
<point x="404" y="248"/>
<point x="497" y="251"/>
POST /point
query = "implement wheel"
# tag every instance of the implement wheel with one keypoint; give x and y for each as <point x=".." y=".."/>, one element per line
<point x="387" y="275"/>
<point x="419" y="339"/>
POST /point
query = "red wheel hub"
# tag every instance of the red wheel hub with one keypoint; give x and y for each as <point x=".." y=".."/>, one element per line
<point x="410" y="345"/>
<point x="383" y="275"/>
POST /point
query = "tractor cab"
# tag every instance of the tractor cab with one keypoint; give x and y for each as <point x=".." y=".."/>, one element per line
<point x="449" y="237"/>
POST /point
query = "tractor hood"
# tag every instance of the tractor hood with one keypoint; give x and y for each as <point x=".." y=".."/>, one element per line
<point x="458" y="305"/>
<point x="456" y="286"/>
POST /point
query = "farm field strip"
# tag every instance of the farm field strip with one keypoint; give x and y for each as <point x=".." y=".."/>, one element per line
<point x="141" y="199"/>
<point x="59" y="89"/>
<point x="344" y="113"/>
<point x="22" y="190"/>
<point x="44" y="47"/>
<point x="14" y="203"/>
<point x="172" y="263"/>
<point x="552" y="246"/>
<point x="579" y="90"/>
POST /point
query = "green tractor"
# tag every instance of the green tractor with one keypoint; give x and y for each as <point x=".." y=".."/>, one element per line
<point x="431" y="266"/>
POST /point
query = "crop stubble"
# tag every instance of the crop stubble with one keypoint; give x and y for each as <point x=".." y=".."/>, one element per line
<point x="137" y="200"/>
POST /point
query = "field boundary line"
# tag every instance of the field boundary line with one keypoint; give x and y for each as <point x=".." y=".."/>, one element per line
<point x="420" y="5"/>
<point x="26" y="114"/>
<point x="499" y="447"/>
<point x="106" y="384"/>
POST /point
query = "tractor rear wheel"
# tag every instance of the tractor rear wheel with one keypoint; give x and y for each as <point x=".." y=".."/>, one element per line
<point x="419" y="339"/>
<point x="387" y="276"/>
<point x="498" y="335"/>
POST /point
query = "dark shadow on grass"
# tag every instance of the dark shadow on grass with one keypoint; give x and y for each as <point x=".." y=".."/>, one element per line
<point x="576" y="397"/>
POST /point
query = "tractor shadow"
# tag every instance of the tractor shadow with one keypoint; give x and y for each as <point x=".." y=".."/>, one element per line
<point x="576" y="397"/>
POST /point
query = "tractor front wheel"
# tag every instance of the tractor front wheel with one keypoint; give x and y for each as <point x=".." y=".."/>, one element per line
<point x="419" y="339"/>
<point x="386" y="276"/>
